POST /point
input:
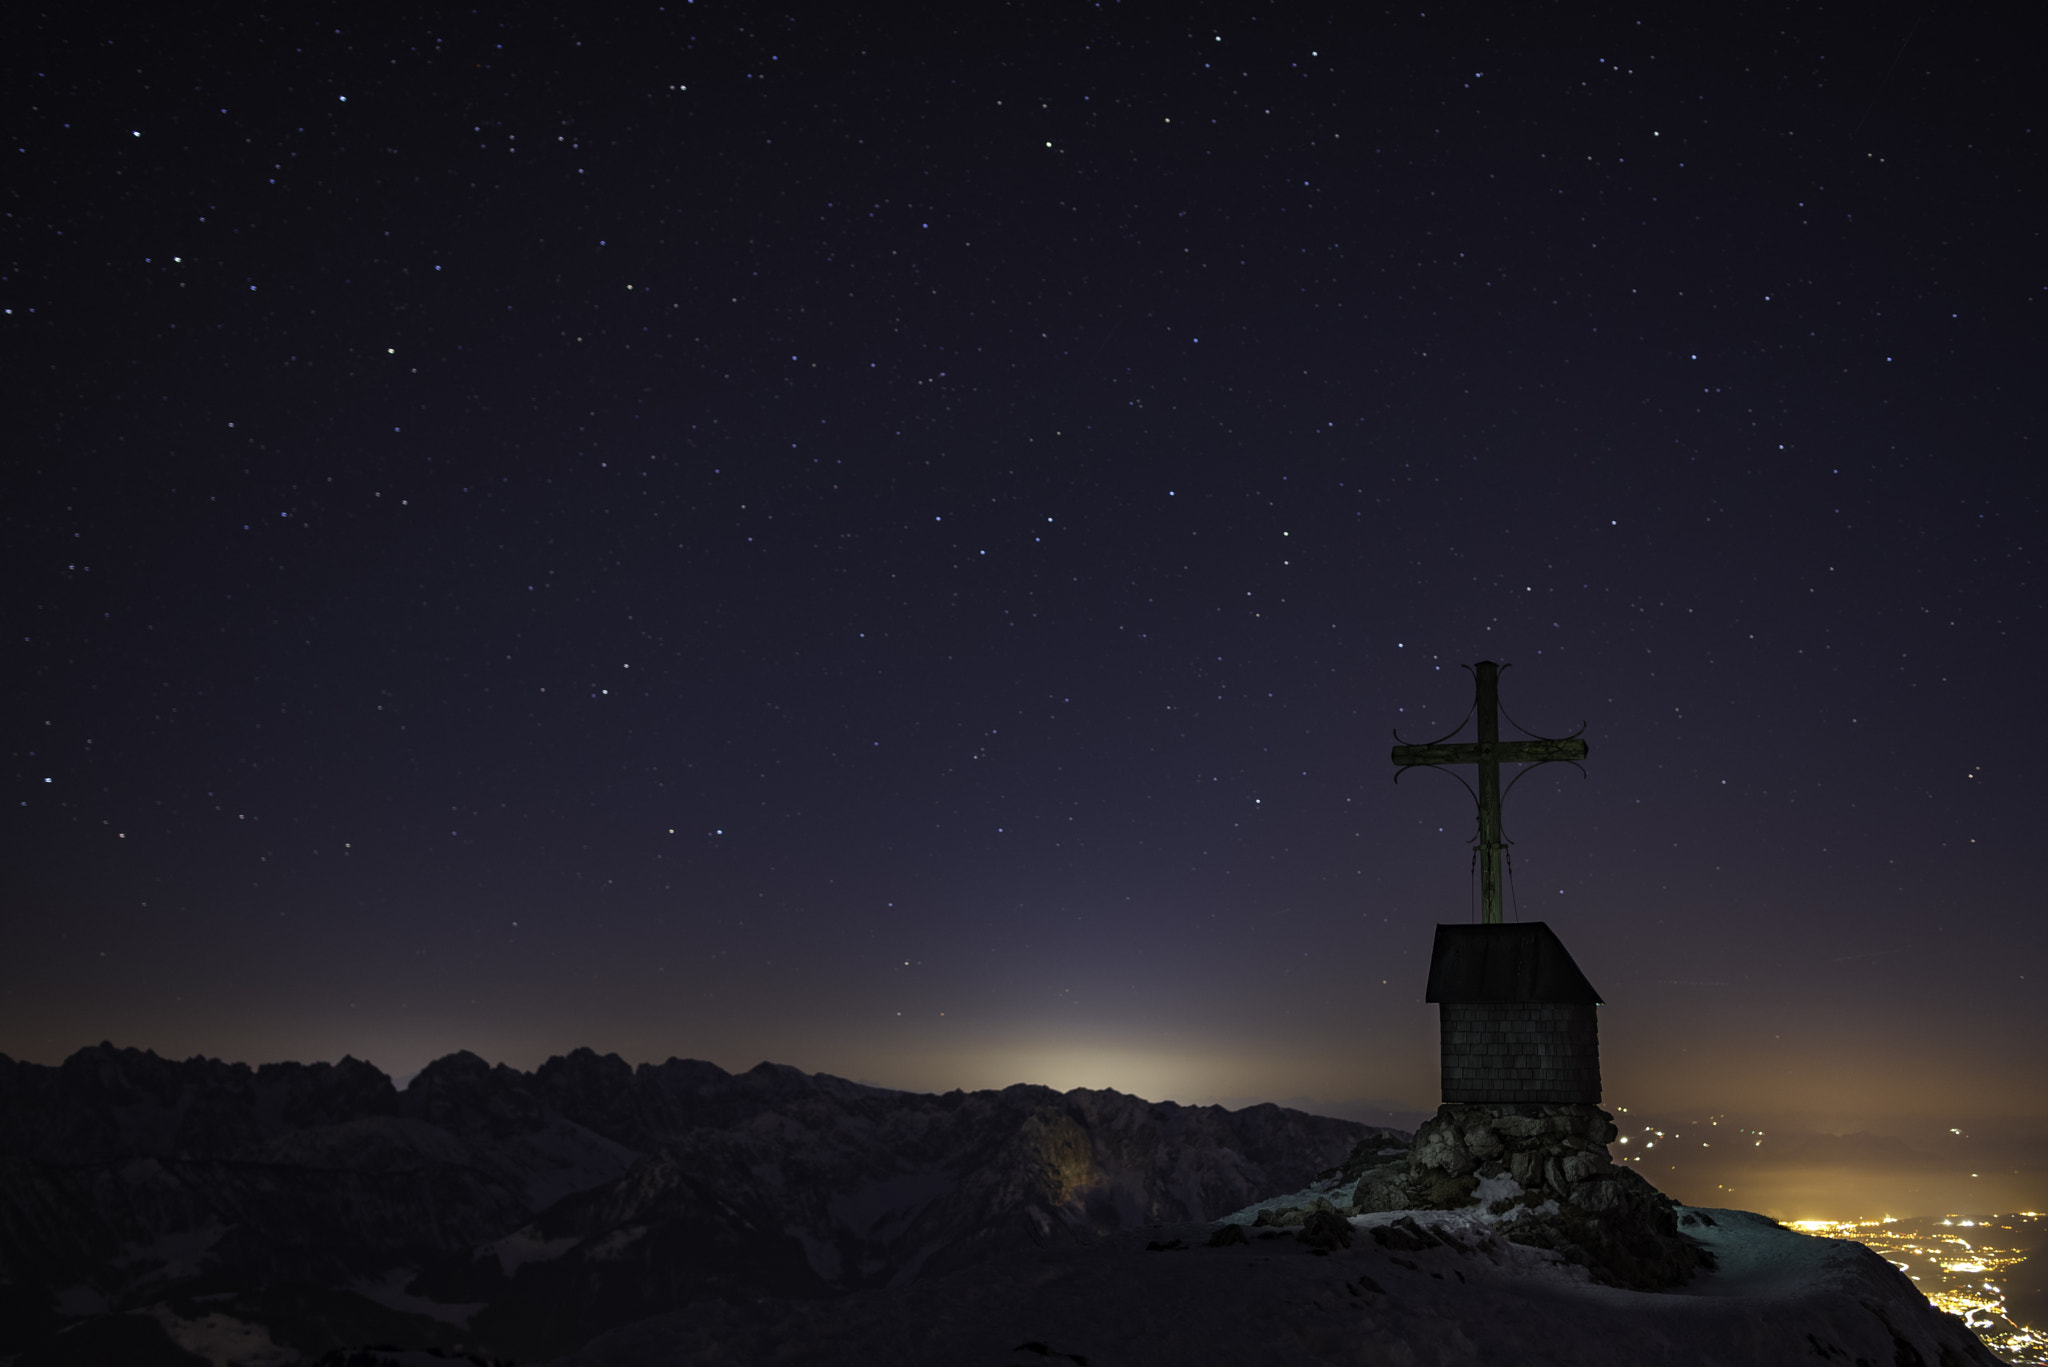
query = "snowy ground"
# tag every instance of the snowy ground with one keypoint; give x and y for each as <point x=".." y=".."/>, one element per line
<point x="1778" y="1296"/>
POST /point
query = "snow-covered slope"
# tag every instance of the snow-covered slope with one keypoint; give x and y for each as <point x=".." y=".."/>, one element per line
<point x="1467" y="1297"/>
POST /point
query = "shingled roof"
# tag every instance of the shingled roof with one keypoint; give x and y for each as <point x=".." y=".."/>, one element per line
<point x="1482" y="965"/>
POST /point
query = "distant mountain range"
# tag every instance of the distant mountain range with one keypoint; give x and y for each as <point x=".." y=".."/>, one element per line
<point x="300" y="1211"/>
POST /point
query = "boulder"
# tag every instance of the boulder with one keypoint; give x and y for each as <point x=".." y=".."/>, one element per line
<point x="1325" y="1229"/>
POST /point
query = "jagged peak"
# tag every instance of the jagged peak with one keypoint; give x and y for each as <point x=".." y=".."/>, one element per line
<point x="347" y="1066"/>
<point x="673" y="1067"/>
<point x="149" y="1072"/>
<point x="765" y="1069"/>
<point x="1032" y="1089"/>
<point x="1112" y="1094"/>
<point x="583" y="1058"/>
<point x="110" y="1052"/>
<point x="460" y="1064"/>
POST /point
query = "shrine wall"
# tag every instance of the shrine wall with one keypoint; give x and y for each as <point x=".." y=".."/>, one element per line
<point x="1521" y="1052"/>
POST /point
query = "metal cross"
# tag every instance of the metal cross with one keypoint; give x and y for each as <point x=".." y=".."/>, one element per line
<point x="1489" y="753"/>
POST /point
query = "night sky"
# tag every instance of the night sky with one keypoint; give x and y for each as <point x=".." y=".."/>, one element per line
<point x="896" y="541"/>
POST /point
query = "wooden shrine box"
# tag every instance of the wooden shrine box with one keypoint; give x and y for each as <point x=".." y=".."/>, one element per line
<point x="1519" y="1022"/>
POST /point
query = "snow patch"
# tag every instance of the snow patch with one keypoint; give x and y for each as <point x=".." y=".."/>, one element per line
<point x="391" y="1293"/>
<point x="891" y="1201"/>
<point x="615" y="1244"/>
<point x="224" y="1340"/>
<point x="1502" y="1187"/>
<point x="1757" y="1256"/>
<point x="566" y="1158"/>
<point x="823" y="1258"/>
<point x="1329" y="1190"/>
<point x="524" y="1246"/>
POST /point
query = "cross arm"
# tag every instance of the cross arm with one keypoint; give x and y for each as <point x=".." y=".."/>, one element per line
<point x="1502" y="752"/>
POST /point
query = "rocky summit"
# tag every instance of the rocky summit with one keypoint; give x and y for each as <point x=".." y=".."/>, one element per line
<point x="1545" y="1169"/>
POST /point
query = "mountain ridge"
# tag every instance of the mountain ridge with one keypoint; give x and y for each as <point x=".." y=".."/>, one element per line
<point x="557" y="1203"/>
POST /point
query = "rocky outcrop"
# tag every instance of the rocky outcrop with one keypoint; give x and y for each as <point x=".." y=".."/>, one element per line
<point x="1545" y="1170"/>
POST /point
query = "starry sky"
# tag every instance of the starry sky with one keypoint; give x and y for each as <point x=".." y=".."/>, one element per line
<point x="895" y="541"/>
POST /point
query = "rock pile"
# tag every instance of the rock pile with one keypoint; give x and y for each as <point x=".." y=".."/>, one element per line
<point x="1564" y="1194"/>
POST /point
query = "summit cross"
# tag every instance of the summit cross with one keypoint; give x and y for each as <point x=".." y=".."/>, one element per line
<point x="1489" y="752"/>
